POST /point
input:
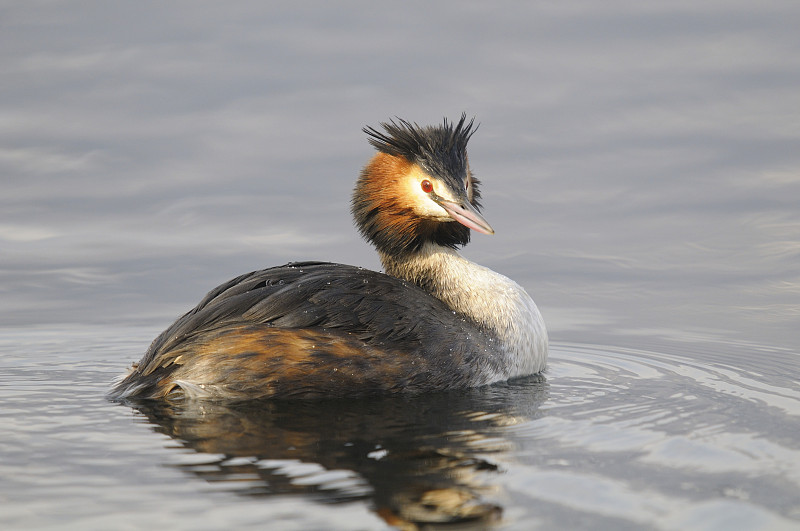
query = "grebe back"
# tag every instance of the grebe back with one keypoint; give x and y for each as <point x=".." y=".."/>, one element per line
<point x="433" y="321"/>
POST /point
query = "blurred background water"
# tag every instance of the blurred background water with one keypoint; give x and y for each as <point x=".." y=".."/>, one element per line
<point x="641" y="166"/>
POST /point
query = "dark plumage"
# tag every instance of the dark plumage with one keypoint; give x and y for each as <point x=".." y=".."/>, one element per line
<point x="342" y="309"/>
<point x="316" y="329"/>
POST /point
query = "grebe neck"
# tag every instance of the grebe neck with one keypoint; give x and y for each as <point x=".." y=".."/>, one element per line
<point x="495" y="303"/>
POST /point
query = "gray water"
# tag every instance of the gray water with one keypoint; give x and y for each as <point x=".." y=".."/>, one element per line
<point x="641" y="166"/>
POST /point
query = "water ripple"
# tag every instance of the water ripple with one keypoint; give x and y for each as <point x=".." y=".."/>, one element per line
<point x="708" y="430"/>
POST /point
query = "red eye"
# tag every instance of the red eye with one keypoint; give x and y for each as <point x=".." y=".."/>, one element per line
<point x="427" y="187"/>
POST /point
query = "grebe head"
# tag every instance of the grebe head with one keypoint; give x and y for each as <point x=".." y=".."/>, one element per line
<point x="418" y="188"/>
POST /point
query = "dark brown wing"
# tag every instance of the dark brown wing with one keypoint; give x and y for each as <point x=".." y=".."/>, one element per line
<point x="289" y="326"/>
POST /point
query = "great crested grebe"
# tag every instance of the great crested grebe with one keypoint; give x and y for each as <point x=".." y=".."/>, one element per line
<point x="433" y="321"/>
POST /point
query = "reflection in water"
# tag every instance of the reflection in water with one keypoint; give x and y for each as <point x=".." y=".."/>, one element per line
<point x="426" y="460"/>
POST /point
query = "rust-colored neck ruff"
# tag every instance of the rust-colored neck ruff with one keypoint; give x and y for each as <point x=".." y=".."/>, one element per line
<point x="384" y="216"/>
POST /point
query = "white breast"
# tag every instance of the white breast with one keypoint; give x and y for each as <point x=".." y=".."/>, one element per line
<point x="492" y="300"/>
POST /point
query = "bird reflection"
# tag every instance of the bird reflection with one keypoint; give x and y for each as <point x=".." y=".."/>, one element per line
<point x="418" y="462"/>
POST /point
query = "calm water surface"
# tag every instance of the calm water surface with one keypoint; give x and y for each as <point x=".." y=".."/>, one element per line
<point x="640" y="164"/>
<point x="609" y="438"/>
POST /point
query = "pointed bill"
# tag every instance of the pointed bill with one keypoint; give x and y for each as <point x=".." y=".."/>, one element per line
<point x="466" y="214"/>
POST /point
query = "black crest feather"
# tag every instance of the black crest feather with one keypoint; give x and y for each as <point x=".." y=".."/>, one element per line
<point x="441" y="150"/>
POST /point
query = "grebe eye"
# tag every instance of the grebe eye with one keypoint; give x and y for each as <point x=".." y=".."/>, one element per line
<point x="427" y="187"/>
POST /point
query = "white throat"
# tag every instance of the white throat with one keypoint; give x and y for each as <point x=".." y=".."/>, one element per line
<point x="493" y="301"/>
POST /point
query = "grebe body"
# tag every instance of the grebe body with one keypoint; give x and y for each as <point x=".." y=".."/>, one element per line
<point x="433" y="321"/>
